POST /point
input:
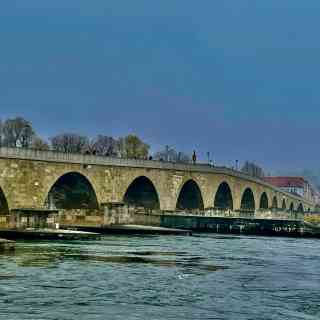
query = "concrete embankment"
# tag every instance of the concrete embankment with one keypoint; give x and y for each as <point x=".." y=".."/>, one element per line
<point x="48" y="234"/>
<point x="249" y="226"/>
<point x="133" y="230"/>
<point x="186" y="225"/>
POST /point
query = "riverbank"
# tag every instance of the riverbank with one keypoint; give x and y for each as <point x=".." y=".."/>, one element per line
<point x="132" y="230"/>
<point x="48" y="234"/>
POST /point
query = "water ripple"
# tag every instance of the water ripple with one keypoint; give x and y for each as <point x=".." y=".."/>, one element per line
<point x="202" y="277"/>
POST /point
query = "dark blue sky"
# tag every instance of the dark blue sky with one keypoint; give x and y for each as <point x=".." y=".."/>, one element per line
<point x="237" y="78"/>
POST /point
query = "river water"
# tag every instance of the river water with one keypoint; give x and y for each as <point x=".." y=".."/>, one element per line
<point x="162" y="277"/>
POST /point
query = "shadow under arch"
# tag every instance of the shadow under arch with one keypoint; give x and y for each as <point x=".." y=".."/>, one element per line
<point x="223" y="198"/>
<point x="300" y="208"/>
<point x="72" y="191"/>
<point x="291" y="209"/>
<point x="284" y="205"/>
<point x="142" y="193"/>
<point x="264" y="201"/>
<point x="274" y="203"/>
<point x="190" y="197"/>
<point x="4" y="207"/>
<point x="248" y="201"/>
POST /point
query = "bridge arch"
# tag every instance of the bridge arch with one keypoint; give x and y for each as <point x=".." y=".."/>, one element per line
<point x="291" y="208"/>
<point x="4" y="207"/>
<point x="248" y="200"/>
<point x="264" y="201"/>
<point x="142" y="193"/>
<point x="300" y="208"/>
<point x="72" y="190"/>
<point x="284" y="204"/>
<point x="190" y="197"/>
<point x="274" y="203"/>
<point x="223" y="198"/>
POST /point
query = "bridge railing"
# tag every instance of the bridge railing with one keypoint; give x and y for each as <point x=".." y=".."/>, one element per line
<point x="54" y="156"/>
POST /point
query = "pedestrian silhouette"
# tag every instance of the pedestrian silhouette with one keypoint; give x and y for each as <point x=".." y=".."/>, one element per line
<point x="194" y="157"/>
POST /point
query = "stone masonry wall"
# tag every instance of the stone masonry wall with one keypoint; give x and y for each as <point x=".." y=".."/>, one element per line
<point x="27" y="182"/>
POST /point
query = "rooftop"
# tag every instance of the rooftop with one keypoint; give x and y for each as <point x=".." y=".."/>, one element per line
<point x="286" y="182"/>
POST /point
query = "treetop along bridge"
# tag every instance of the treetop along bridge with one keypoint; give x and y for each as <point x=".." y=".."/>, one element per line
<point x="46" y="180"/>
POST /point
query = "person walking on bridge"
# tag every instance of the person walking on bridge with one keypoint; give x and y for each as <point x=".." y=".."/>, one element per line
<point x="194" y="157"/>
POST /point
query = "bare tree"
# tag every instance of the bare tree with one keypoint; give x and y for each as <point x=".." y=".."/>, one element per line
<point x="103" y="146"/>
<point x="17" y="132"/>
<point x="40" y="144"/>
<point x="69" y="143"/>
<point x="133" y="147"/>
<point x="253" y="170"/>
<point x="170" y="154"/>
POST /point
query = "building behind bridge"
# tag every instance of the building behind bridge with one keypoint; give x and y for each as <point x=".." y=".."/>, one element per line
<point x="297" y="185"/>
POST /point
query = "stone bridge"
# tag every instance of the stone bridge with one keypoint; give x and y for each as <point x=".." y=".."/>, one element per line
<point x="45" y="179"/>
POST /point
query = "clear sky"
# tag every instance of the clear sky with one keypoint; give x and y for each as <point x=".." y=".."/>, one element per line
<point x="237" y="78"/>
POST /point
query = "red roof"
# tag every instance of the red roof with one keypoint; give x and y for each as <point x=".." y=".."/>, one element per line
<point x="286" y="182"/>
